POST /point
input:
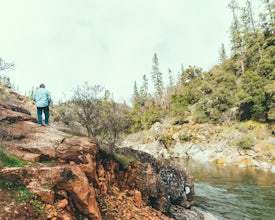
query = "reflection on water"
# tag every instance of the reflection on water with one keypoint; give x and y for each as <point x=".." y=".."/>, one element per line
<point x="231" y="192"/>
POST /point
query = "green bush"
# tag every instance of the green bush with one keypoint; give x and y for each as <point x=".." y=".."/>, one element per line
<point x="24" y="195"/>
<point x="202" y="111"/>
<point x="7" y="184"/>
<point x="179" y="105"/>
<point x="124" y="160"/>
<point x="184" y="136"/>
<point x="8" y="159"/>
<point x="255" y="106"/>
<point x="166" y="140"/>
<point x="145" y="120"/>
<point x="246" y="142"/>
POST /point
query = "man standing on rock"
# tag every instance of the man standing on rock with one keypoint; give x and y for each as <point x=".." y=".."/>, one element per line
<point x="42" y="99"/>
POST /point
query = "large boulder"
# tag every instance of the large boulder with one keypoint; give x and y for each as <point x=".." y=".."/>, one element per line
<point x="74" y="181"/>
<point x="162" y="183"/>
<point x="73" y="149"/>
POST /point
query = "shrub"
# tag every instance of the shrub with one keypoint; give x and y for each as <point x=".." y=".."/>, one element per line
<point x="246" y="142"/>
<point x="179" y="105"/>
<point x="202" y="111"/>
<point x="7" y="184"/>
<point x="166" y="140"/>
<point x="184" y="136"/>
<point x="200" y="116"/>
<point x="145" y="120"/>
<point x="8" y="159"/>
<point x="22" y="195"/>
<point x="124" y="160"/>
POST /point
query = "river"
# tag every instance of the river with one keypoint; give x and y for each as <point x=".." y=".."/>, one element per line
<point x="233" y="193"/>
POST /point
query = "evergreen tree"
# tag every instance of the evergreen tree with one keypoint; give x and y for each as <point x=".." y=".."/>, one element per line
<point x="254" y="105"/>
<point x="252" y="41"/>
<point x="157" y="79"/>
<point x="171" y="80"/>
<point x="107" y="95"/>
<point x="236" y="38"/>
<point x="248" y="28"/>
<point x="222" y="54"/>
<point x="135" y="97"/>
<point x="143" y="94"/>
<point x="269" y="16"/>
<point x="191" y="73"/>
<point x="144" y="87"/>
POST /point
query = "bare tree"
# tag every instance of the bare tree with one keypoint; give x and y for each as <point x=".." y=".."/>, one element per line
<point x="103" y="119"/>
<point x="88" y="108"/>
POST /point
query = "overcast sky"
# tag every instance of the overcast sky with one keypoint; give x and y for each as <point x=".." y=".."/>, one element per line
<point x="63" y="43"/>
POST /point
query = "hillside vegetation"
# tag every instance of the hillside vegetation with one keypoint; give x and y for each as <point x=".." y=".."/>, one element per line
<point x="239" y="88"/>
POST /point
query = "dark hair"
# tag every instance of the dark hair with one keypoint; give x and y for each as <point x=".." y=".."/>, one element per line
<point x="42" y="85"/>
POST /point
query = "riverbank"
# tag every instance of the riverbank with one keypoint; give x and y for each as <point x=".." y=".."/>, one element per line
<point x="245" y="144"/>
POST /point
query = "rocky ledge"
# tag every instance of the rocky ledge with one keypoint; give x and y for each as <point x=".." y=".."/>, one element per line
<point x="76" y="180"/>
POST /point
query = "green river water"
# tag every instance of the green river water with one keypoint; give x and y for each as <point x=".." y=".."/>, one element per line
<point x="232" y="192"/>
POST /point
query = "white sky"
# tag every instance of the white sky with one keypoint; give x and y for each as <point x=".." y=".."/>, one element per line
<point x="63" y="43"/>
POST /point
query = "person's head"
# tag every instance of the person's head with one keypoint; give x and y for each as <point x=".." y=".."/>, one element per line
<point x="42" y="85"/>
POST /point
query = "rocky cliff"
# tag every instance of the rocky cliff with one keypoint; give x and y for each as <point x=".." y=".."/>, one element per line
<point x="76" y="180"/>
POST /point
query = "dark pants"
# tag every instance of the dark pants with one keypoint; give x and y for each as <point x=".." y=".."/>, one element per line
<point x="46" y="112"/>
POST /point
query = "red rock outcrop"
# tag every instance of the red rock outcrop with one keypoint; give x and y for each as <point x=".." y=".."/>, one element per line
<point x="79" y="181"/>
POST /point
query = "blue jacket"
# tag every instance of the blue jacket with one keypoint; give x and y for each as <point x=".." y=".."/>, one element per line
<point x="42" y="97"/>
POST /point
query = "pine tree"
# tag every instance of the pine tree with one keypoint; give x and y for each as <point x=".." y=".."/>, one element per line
<point x="269" y="16"/>
<point x="144" y="87"/>
<point x="107" y="95"/>
<point x="251" y="39"/>
<point x="157" y="79"/>
<point x="222" y="53"/>
<point x="236" y="37"/>
<point x="235" y="28"/>
<point x="136" y="96"/>
<point x="171" y="80"/>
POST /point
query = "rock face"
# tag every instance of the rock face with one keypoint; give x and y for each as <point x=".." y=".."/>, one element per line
<point x="208" y="143"/>
<point x="74" y="181"/>
<point x="161" y="183"/>
<point x="78" y="178"/>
